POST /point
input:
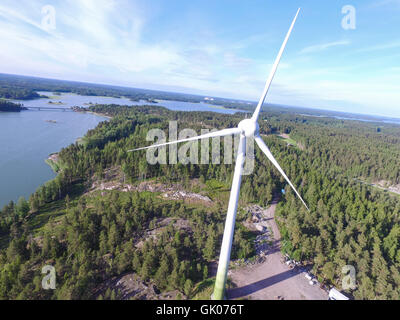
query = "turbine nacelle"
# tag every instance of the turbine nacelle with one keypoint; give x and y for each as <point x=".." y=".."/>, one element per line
<point x="249" y="128"/>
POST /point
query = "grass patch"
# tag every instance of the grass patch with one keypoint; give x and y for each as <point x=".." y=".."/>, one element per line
<point x="54" y="209"/>
<point x="289" y="141"/>
<point x="50" y="210"/>
<point x="214" y="184"/>
<point x="217" y="190"/>
<point x="56" y="166"/>
<point x="80" y="141"/>
<point x="53" y="165"/>
<point x="204" y="289"/>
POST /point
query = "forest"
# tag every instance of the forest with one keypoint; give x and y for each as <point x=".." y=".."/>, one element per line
<point x="92" y="236"/>
<point x="25" y="88"/>
<point x="6" y="106"/>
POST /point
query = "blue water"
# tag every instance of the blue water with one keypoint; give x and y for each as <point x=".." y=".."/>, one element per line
<point x="27" y="138"/>
<point x="355" y="118"/>
<point x="71" y="100"/>
<point x="190" y="106"/>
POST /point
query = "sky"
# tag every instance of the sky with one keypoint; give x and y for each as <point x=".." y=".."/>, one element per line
<point x="334" y="60"/>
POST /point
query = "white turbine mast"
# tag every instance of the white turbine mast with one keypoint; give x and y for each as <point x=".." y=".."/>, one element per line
<point x="247" y="128"/>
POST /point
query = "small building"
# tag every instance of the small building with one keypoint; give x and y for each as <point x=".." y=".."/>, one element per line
<point x="335" y="294"/>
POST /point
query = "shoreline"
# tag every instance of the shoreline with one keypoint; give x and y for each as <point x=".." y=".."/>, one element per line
<point x="99" y="114"/>
<point x="53" y="158"/>
<point x="52" y="161"/>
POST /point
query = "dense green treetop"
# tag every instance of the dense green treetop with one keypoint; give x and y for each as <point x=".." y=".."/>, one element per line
<point x="92" y="236"/>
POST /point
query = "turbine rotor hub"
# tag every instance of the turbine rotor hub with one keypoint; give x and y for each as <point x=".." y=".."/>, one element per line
<point x="249" y="127"/>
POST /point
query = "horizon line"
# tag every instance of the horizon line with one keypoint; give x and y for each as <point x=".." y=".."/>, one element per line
<point x="200" y="95"/>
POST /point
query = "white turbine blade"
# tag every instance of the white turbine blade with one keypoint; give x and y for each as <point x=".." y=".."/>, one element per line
<point x="221" y="133"/>
<point x="274" y="68"/>
<point x="229" y="229"/>
<point x="269" y="155"/>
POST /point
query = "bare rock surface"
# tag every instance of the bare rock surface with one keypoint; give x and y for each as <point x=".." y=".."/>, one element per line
<point x="130" y="286"/>
<point x="114" y="180"/>
<point x="160" y="225"/>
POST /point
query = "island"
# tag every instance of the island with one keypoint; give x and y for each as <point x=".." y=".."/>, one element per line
<point x="7" y="106"/>
<point x="55" y="102"/>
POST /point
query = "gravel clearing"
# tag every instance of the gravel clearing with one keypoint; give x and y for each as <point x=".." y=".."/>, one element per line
<point x="273" y="279"/>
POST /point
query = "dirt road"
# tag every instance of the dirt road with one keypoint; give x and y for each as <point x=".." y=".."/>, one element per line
<point x="272" y="279"/>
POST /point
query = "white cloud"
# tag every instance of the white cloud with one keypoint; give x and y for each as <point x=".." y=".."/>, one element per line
<point x="384" y="46"/>
<point x="8" y="13"/>
<point x="89" y="38"/>
<point x="105" y="41"/>
<point x="324" y="46"/>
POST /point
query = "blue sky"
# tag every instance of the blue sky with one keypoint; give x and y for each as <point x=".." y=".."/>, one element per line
<point x="221" y="48"/>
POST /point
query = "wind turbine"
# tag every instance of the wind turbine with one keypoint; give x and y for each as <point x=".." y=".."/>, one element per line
<point x="247" y="128"/>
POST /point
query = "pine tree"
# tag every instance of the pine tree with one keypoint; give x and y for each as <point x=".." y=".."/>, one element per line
<point x="188" y="287"/>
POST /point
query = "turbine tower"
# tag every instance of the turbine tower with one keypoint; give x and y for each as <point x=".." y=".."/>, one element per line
<point x="247" y="128"/>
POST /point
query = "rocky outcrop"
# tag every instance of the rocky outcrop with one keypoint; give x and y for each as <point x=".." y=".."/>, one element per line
<point x="169" y="192"/>
<point x="131" y="287"/>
